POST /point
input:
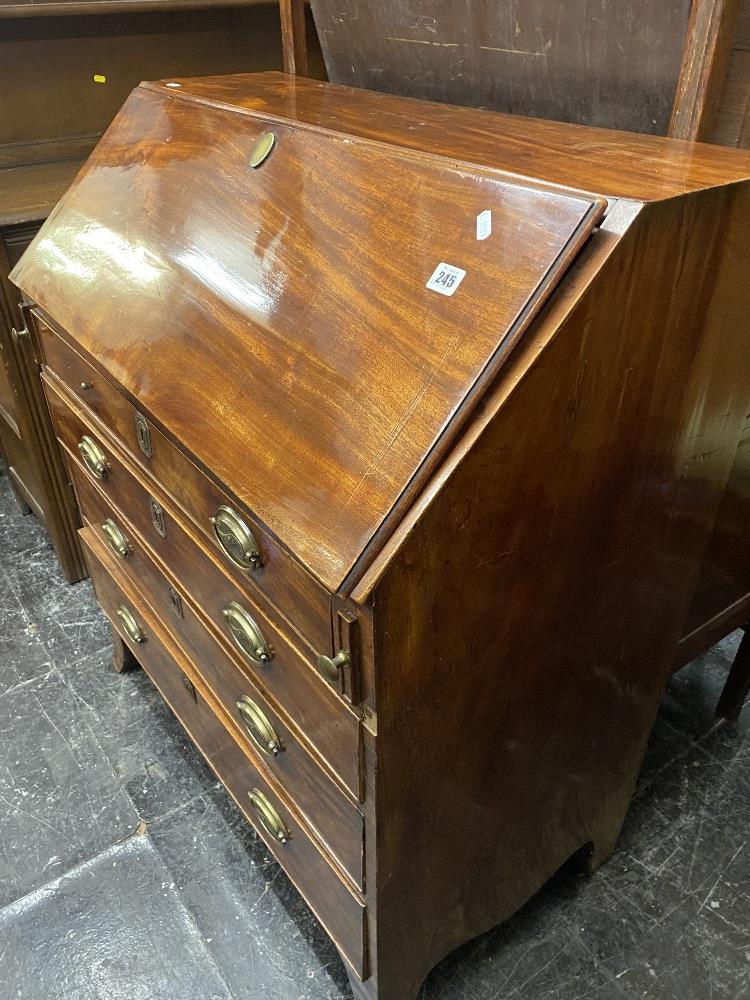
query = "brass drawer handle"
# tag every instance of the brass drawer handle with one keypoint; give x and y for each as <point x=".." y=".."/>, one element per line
<point x="269" y="818"/>
<point x="116" y="539"/>
<point x="246" y="634"/>
<point x="259" y="729"/>
<point x="330" y="667"/>
<point x="130" y="625"/>
<point x="93" y="457"/>
<point x="236" y="539"/>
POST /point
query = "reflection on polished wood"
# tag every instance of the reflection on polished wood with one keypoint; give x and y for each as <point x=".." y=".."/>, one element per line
<point x="479" y="516"/>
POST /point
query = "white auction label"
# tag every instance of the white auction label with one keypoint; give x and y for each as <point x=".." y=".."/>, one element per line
<point x="484" y="224"/>
<point x="445" y="279"/>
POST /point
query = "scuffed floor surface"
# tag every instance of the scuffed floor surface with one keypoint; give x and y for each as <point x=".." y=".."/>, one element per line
<point x="125" y="872"/>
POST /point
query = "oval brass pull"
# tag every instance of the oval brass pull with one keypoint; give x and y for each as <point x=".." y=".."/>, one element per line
<point x="130" y="625"/>
<point x="93" y="457"/>
<point x="236" y="539"/>
<point x="116" y="539"/>
<point x="269" y="818"/>
<point x="262" y="149"/>
<point x="246" y="634"/>
<point x="259" y="729"/>
<point x="329" y="666"/>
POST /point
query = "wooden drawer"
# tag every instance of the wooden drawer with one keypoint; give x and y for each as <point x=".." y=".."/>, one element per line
<point x="335" y="817"/>
<point x="327" y="721"/>
<point x="338" y="908"/>
<point x="304" y="603"/>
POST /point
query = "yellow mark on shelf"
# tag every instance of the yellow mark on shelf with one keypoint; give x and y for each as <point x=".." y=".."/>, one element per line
<point x="99" y="78"/>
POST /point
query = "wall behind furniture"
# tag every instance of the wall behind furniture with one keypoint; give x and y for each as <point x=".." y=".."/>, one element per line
<point x="52" y="107"/>
<point x="733" y="124"/>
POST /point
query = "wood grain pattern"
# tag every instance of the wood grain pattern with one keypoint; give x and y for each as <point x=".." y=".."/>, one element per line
<point x="704" y="66"/>
<point x="328" y="722"/>
<point x="311" y="352"/>
<point x="338" y="908"/>
<point x="510" y="645"/>
<point x="614" y="164"/>
<point x="613" y="65"/>
<point x="280" y="582"/>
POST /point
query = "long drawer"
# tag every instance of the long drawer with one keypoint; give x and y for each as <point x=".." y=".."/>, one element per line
<point x="278" y="741"/>
<point x="339" y="909"/>
<point x="327" y="721"/>
<point x="291" y="589"/>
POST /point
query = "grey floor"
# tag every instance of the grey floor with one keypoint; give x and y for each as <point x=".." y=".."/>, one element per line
<point x="126" y="872"/>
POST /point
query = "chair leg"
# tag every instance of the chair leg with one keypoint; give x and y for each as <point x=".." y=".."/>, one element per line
<point x="737" y="686"/>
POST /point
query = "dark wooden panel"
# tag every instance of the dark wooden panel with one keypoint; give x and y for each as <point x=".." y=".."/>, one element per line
<point x="725" y="576"/>
<point x="50" y="104"/>
<point x="613" y="64"/>
<point x="34" y="460"/>
<point x="40" y="8"/>
<point x="733" y="125"/>
<point x="339" y="909"/>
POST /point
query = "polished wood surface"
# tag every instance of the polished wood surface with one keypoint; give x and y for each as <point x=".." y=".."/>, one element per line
<point x="501" y="643"/>
<point x="620" y="165"/>
<point x="523" y="58"/>
<point x="280" y="582"/>
<point x="333" y="815"/>
<point x="35" y="467"/>
<point x="275" y="297"/>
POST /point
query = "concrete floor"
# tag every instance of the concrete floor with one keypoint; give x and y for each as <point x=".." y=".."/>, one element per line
<point x="125" y="871"/>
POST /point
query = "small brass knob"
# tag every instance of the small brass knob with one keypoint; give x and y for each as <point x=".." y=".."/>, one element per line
<point x="130" y="625"/>
<point x="116" y="539"/>
<point x="330" y="667"/>
<point x="236" y="539"/>
<point x="93" y="457"/>
<point x="269" y="818"/>
<point x="258" y="727"/>
<point x="246" y="634"/>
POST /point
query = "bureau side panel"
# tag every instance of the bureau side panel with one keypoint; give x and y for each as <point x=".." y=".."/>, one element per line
<point x="526" y="625"/>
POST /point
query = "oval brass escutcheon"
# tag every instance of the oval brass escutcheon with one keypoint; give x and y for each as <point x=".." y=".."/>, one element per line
<point x="270" y="819"/>
<point x="93" y="457"/>
<point x="262" y="149"/>
<point x="236" y="539"/>
<point x="246" y="634"/>
<point x="130" y="625"/>
<point x="116" y="539"/>
<point x="259" y="729"/>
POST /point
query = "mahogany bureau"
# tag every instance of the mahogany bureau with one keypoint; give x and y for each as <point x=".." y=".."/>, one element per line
<point x="399" y="432"/>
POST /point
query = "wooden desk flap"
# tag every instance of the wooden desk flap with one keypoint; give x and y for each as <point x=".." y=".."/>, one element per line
<point x="308" y="329"/>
